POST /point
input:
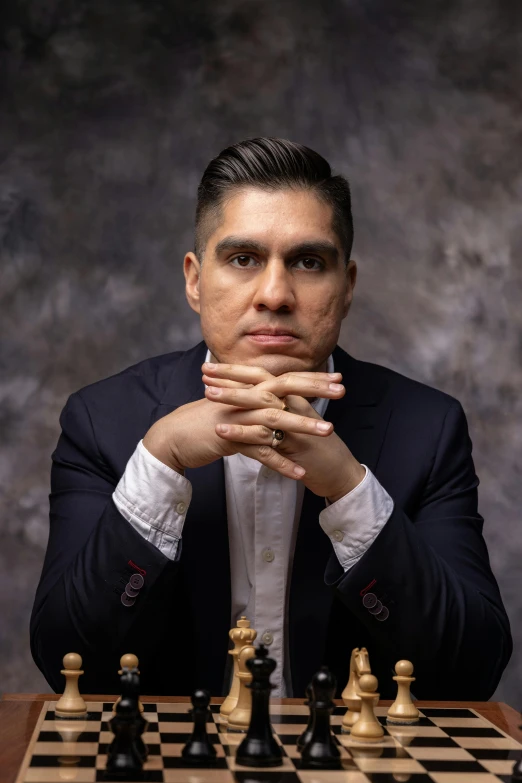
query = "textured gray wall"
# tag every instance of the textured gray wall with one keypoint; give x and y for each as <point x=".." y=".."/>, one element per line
<point x="109" y="113"/>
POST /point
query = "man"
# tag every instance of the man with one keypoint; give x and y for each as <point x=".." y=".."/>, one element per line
<point x="241" y="477"/>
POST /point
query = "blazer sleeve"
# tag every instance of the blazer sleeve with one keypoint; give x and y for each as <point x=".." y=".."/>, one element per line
<point x="92" y="552"/>
<point x="433" y="574"/>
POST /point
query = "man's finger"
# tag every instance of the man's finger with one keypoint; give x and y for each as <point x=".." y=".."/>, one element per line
<point x="245" y="373"/>
<point x="272" y="459"/>
<point x="225" y="383"/>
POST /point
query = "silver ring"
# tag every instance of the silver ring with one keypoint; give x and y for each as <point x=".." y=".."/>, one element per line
<point x="277" y="438"/>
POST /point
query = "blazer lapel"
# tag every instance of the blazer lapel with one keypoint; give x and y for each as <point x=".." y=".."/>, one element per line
<point x="205" y="563"/>
<point x="360" y="419"/>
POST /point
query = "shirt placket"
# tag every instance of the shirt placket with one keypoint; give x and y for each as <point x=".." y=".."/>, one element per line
<point x="270" y="569"/>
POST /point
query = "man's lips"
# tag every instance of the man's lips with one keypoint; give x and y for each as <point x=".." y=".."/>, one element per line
<point x="260" y="337"/>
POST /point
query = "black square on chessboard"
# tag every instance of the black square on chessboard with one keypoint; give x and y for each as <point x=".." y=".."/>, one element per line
<point x="54" y="736"/>
<point x="442" y="765"/>
<point x="389" y="777"/>
<point x="433" y="742"/>
<point x="465" y="731"/>
<point x="54" y="761"/>
<point x="177" y="737"/>
<point x="266" y="776"/>
<point x="445" y="712"/>
<point x="145" y="776"/>
<point x="176" y="762"/>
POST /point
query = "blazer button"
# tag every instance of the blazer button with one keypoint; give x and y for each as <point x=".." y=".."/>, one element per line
<point x="130" y="591"/>
<point x="369" y="600"/>
<point x="383" y="614"/>
<point x="376" y="609"/>
<point x="126" y="600"/>
<point x="136" y="581"/>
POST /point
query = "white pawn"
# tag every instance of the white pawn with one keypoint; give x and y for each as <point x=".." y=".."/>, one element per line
<point x="71" y="703"/>
<point x="403" y="709"/>
<point x="367" y="728"/>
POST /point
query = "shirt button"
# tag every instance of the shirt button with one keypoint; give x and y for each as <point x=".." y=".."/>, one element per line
<point x="268" y="555"/>
<point x="267" y="638"/>
<point x="181" y="508"/>
<point x="338" y="535"/>
<point x="266" y="472"/>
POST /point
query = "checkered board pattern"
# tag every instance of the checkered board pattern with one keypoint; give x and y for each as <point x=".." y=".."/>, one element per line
<point x="446" y="746"/>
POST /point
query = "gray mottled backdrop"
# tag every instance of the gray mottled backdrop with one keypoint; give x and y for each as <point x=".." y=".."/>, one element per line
<point x="109" y="112"/>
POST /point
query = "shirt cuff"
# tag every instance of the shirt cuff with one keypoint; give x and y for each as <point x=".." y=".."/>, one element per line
<point x="154" y="499"/>
<point x="354" y="521"/>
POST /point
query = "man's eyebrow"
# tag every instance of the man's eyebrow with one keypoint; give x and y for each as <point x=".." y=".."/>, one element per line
<point x="317" y="246"/>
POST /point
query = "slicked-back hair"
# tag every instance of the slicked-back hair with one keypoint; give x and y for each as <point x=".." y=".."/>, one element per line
<point x="271" y="164"/>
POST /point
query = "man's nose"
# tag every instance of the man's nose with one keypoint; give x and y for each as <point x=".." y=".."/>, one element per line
<point x="274" y="287"/>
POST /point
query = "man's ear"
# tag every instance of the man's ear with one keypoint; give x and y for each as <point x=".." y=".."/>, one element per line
<point x="192" y="272"/>
<point x="351" y="278"/>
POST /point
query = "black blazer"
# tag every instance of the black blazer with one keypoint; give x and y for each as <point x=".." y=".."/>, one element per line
<point x="429" y="565"/>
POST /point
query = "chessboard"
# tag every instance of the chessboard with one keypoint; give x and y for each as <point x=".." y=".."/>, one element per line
<point x="447" y="745"/>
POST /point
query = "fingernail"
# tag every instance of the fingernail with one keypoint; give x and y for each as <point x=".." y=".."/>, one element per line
<point x="223" y="427"/>
<point x="335" y="386"/>
<point x="210" y="365"/>
<point x="298" y="471"/>
<point x="214" y="390"/>
<point x="323" y="426"/>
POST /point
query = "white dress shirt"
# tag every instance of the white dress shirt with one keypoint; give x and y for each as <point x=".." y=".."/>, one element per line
<point x="263" y="512"/>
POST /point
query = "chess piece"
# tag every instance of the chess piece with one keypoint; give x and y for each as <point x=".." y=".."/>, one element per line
<point x="71" y="704"/>
<point x="239" y="718"/>
<point x="127" y="751"/>
<point x="359" y="665"/>
<point x="241" y="635"/>
<point x="304" y="738"/>
<point x="259" y="748"/>
<point x="128" y="661"/>
<point x="199" y="749"/>
<point x="367" y="728"/>
<point x="403" y="711"/>
<point x="321" y="752"/>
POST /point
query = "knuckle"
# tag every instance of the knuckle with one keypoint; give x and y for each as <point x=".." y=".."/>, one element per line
<point x="303" y="421"/>
<point x="273" y="415"/>
<point x="264" y="451"/>
<point x="265" y="432"/>
<point x="267" y="396"/>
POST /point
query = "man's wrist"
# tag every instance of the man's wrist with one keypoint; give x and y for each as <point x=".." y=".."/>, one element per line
<point x="158" y="447"/>
<point x="350" y="483"/>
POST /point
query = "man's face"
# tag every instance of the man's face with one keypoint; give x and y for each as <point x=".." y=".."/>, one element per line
<point x="273" y="263"/>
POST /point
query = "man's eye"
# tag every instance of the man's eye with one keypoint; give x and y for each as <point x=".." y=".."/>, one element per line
<point x="308" y="261"/>
<point x="242" y="260"/>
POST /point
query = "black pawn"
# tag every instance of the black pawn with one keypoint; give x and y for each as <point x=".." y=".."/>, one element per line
<point x="199" y="749"/>
<point x="259" y="747"/>
<point x="321" y="752"/>
<point x="305" y="737"/>
<point x="125" y="755"/>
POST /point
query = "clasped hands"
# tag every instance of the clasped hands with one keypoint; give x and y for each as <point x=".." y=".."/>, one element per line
<point x="311" y="451"/>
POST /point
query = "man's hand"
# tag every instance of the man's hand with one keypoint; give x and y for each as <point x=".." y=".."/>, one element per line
<point x="189" y="436"/>
<point x="331" y="469"/>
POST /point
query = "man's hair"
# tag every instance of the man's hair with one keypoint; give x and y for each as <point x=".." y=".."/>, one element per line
<point x="271" y="164"/>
